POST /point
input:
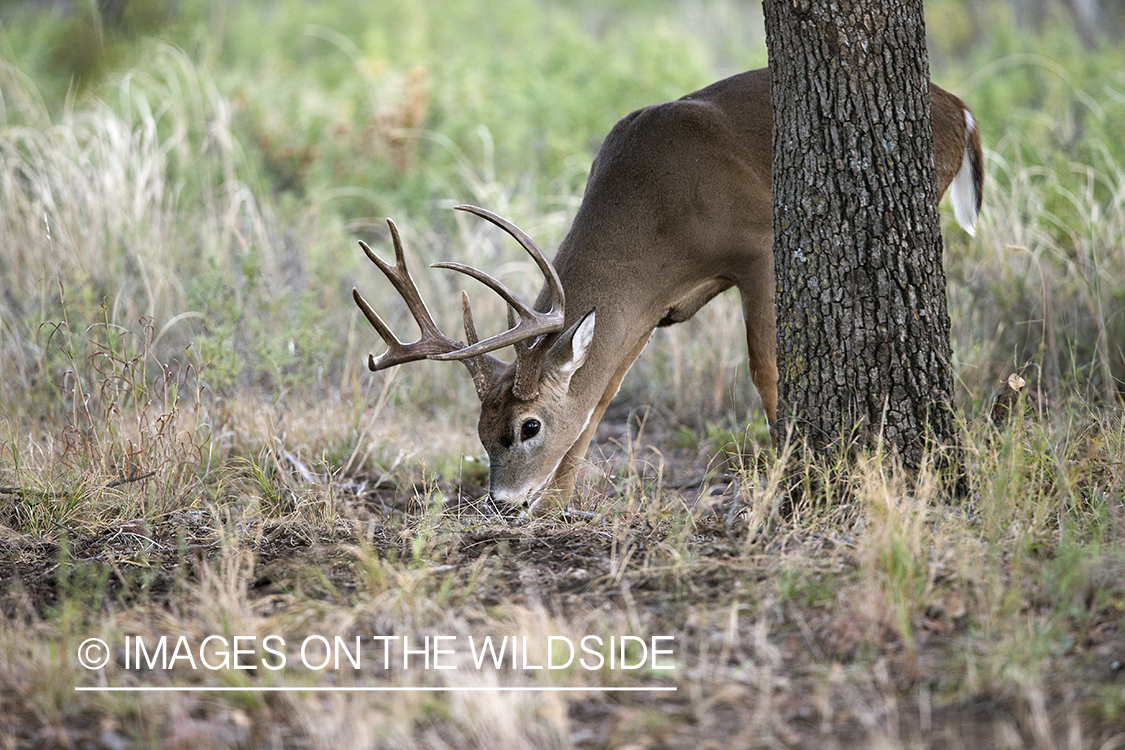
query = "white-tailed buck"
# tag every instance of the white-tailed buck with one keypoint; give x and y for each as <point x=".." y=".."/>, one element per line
<point x="676" y="210"/>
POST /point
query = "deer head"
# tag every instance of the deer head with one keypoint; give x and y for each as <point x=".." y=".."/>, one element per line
<point x="523" y="423"/>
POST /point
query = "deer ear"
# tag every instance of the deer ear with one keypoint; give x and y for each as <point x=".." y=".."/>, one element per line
<point x="570" y="350"/>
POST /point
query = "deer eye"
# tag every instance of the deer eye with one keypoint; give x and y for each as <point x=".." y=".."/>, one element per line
<point x="529" y="429"/>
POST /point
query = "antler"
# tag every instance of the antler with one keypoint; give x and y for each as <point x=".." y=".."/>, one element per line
<point x="532" y="324"/>
<point x="527" y="334"/>
<point x="432" y="342"/>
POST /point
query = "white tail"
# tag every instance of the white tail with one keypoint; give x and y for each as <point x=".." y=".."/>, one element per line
<point x="965" y="191"/>
<point x="676" y="210"/>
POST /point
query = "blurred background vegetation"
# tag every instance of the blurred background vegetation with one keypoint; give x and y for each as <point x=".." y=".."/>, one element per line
<point x="183" y="182"/>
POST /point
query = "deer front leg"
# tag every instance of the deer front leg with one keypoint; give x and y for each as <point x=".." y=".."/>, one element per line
<point x="562" y="486"/>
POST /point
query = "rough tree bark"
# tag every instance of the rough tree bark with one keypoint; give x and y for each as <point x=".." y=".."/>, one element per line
<point x="863" y="328"/>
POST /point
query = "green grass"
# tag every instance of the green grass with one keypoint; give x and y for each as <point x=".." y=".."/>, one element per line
<point x="190" y="442"/>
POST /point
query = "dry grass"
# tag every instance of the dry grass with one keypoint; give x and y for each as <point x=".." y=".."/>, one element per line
<point x="892" y="620"/>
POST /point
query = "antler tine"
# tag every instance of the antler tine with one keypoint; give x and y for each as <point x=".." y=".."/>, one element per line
<point x="399" y="276"/>
<point x="558" y="298"/>
<point x="431" y="343"/>
<point x="467" y="318"/>
<point x="393" y="344"/>
<point x="532" y="323"/>
<point x="484" y="367"/>
<point x="492" y="283"/>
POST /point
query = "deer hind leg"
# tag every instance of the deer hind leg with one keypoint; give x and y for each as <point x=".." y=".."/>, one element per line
<point x="761" y="335"/>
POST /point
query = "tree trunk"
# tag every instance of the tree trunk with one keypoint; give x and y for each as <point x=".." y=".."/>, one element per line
<point x="863" y="328"/>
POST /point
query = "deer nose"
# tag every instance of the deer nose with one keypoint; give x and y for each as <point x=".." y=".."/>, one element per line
<point x="503" y="493"/>
<point x="503" y="496"/>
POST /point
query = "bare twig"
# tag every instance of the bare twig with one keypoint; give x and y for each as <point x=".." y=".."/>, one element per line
<point x="21" y="492"/>
<point x="127" y="480"/>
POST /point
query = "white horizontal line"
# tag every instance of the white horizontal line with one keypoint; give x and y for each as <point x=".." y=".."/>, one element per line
<point x="367" y="689"/>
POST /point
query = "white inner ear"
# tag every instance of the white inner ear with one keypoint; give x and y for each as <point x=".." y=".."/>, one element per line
<point x="580" y="345"/>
